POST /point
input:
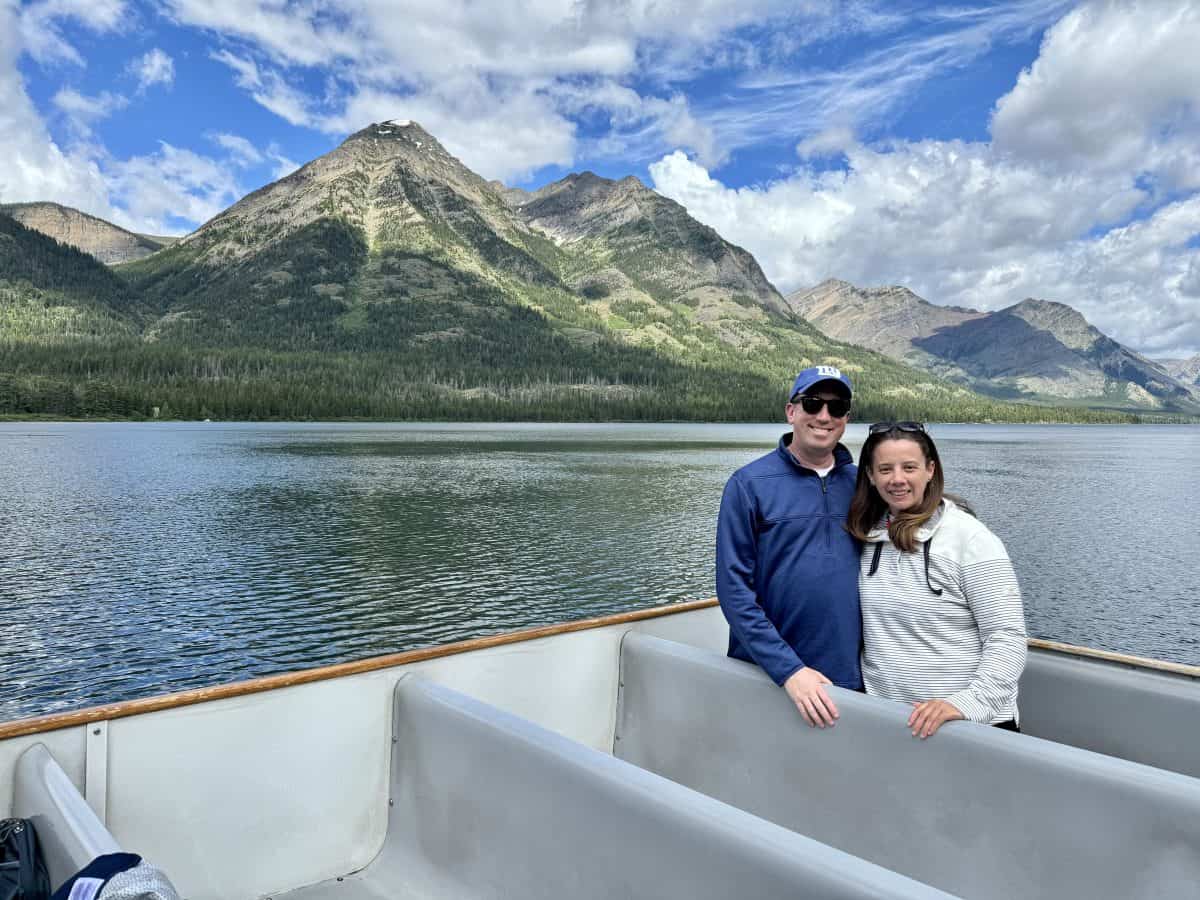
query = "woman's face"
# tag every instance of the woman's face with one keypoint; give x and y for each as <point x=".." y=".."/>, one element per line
<point x="900" y="473"/>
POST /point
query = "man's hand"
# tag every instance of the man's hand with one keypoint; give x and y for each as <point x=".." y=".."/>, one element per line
<point x="928" y="716"/>
<point x="806" y="688"/>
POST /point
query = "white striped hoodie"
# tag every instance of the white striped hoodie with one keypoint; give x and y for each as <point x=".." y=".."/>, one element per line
<point x="967" y="645"/>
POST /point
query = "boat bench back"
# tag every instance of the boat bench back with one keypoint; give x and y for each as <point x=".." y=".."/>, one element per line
<point x="1110" y="707"/>
<point x="486" y="804"/>
<point x="70" y="833"/>
<point x="977" y="811"/>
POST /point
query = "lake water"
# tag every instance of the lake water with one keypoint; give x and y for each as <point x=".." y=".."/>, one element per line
<point x="143" y="558"/>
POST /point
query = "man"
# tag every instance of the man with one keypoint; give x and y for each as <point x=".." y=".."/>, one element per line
<point x="787" y="569"/>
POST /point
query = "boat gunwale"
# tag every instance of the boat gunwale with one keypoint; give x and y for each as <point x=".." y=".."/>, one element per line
<point x="160" y="702"/>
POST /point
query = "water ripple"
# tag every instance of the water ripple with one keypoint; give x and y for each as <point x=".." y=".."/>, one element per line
<point x="137" y="559"/>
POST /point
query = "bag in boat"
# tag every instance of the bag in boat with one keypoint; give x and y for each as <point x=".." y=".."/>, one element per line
<point x="22" y="869"/>
<point x="117" y="876"/>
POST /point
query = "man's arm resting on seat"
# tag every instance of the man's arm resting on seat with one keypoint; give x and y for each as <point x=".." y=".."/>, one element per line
<point x="737" y="553"/>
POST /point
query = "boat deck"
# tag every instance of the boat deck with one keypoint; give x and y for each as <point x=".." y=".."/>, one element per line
<point x="623" y="758"/>
<point x="714" y="790"/>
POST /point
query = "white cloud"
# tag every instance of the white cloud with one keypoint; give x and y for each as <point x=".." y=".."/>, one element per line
<point x="959" y="223"/>
<point x="283" y="166"/>
<point x="243" y="154"/>
<point x="172" y="183"/>
<point x="35" y="167"/>
<point x="638" y="126"/>
<point x="498" y="88"/>
<point x="268" y="88"/>
<point x="812" y="103"/>
<point x="153" y="67"/>
<point x="83" y="111"/>
<point x="241" y="151"/>
<point x="1087" y="193"/>
<point x="830" y="142"/>
<point x="1116" y="88"/>
<point x="1189" y="283"/>
<point x="144" y="193"/>
<point x="38" y="25"/>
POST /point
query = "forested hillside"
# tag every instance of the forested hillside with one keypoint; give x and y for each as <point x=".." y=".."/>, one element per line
<point x="385" y="280"/>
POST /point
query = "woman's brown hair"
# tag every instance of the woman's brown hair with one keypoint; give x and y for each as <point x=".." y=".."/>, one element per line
<point x="868" y="507"/>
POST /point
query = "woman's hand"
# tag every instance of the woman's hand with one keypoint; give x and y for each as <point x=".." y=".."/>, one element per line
<point x="928" y="716"/>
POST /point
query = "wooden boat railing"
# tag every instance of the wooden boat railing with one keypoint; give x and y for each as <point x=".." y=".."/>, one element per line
<point x="123" y="709"/>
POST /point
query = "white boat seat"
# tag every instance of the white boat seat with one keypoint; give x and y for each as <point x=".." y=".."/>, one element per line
<point x="485" y="804"/>
<point x="70" y="833"/>
<point x="1072" y="700"/>
<point x="979" y="812"/>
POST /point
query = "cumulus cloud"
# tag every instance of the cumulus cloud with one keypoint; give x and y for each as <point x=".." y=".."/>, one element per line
<point x="83" y="111"/>
<point x="153" y="67"/>
<point x="1116" y="88"/>
<point x="961" y="224"/>
<point x="173" y="183"/>
<point x="504" y="98"/>
<point x="1189" y="283"/>
<point x="38" y="25"/>
<point x="830" y="142"/>
<point x="151" y="192"/>
<point x="1086" y="194"/>
<point x="36" y="167"/>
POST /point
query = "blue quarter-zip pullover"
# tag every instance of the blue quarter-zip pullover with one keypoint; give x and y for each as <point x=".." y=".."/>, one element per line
<point x="787" y="569"/>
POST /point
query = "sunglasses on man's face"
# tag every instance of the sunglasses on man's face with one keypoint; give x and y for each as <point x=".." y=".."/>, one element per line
<point x="885" y="427"/>
<point x="812" y="405"/>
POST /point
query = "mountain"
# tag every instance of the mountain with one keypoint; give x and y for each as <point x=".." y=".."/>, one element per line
<point x="391" y="216"/>
<point x="53" y="293"/>
<point x="389" y="248"/>
<point x="1034" y="350"/>
<point x="633" y="244"/>
<point x="108" y="243"/>
<point x="387" y="280"/>
<point x="1185" y="370"/>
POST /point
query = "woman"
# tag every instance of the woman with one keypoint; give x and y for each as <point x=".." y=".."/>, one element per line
<point x="943" y="624"/>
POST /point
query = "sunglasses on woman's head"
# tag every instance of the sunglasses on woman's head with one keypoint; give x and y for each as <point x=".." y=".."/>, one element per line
<point x="812" y="405"/>
<point x="884" y="427"/>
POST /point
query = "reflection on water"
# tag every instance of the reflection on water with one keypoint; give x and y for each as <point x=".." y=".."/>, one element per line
<point x="136" y="559"/>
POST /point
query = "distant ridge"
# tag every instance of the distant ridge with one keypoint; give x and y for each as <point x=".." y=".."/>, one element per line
<point x="1035" y="349"/>
<point x="107" y="242"/>
<point x="1186" y="370"/>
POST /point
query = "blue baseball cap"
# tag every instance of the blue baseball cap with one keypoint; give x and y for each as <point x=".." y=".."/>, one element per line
<point x="815" y="375"/>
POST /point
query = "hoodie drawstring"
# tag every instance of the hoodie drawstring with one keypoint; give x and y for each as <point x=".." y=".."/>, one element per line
<point x="874" y="567"/>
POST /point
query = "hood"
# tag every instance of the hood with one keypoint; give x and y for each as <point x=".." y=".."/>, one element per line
<point x="925" y="532"/>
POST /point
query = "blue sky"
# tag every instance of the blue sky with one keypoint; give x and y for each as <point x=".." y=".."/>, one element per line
<point x="975" y="152"/>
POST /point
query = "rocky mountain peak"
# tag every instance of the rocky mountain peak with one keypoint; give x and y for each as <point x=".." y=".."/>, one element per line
<point x="384" y="178"/>
<point x="1066" y="324"/>
<point x="107" y="242"/>
<point x="816" y="301"/>
<point x="830" y="284"/>
<point x="399" y="141"/>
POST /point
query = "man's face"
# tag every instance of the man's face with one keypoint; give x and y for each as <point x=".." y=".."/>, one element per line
<point x="815" y="434"/>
